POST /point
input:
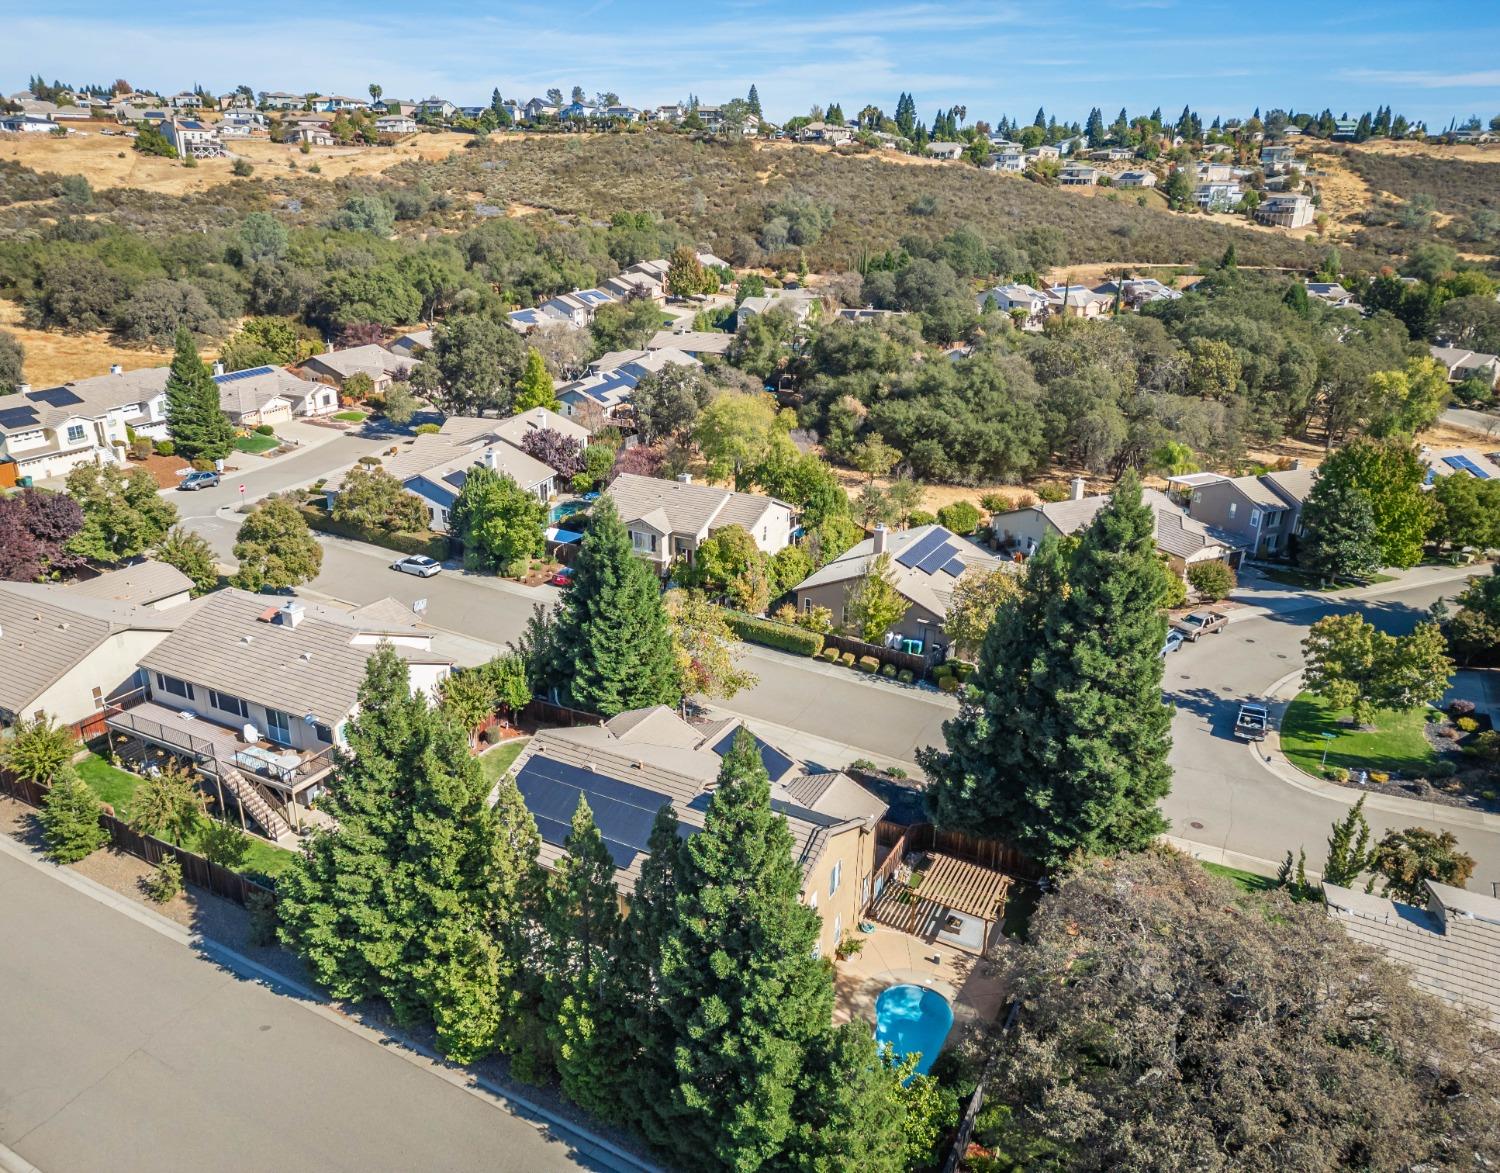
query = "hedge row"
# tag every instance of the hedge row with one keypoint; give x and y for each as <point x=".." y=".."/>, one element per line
<point x="797" y="640"/>
<point x="431" y="544"/>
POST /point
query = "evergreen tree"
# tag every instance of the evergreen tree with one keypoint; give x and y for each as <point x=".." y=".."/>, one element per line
<point x="1339" y="538"/>
<point x="850" y="1112"/>
<point x="1349" y="851"/>
<point x="1094" y="127"/>
<point x="198" y="425"/>
<point x="753" y="101"/>
<point x="647" y="1095"/>
<point x="337" y="903"/>
<point x="1041" y="118"/>
<point x="1065" y="746"/>
<point x="534" y="389"/>
<point x="981" y="781"/>
<point x="582" y="988"/>
<point x="70" y="818"/>
<point x="613" y="639"/>
<point x="741" y="988"/>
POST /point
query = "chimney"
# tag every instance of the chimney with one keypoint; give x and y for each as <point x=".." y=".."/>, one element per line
<point x="879" y="539"/>
<point x="23" y="388"/>
<point x="1078" y="489"/>
<point x="489" y="458"/>
<point x="218" y="368"/>
<point x="685" y="478"/>
<point x="116" y="369"/>
<point x="290" y="614"/>
<point x="541" y="417"/>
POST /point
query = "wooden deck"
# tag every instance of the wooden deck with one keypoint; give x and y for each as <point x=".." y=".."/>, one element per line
<point x="948" y="885"/>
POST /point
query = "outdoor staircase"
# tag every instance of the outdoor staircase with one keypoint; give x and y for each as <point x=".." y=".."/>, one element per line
<point x="253" y="802"/>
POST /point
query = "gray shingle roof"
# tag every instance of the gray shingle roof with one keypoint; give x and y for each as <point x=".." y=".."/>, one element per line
<point x="230" y="644"/>
<point x="932" y="590"/>
<point x="146" y="582"/>
<point x="1293" y="485"/>
<point x="1176" y="533"/>
<point x="686" y="508"/>
<point x="241" y="392"/>
<point x="85" y="397"/>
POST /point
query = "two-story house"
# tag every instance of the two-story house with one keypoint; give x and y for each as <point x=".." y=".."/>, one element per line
<point x="45" y="433"/>
<point x="925" y="563"/>
<point x="1017" y="299"/>
<point x="668" y="520"/>
<point x="1286" y="210"/>
<point x="254" y="689"/>
<point x="633" y="765"/>
<point x="192" y="138"/>
<point x="1260" y="515"/>
<point x="383" y="367"/>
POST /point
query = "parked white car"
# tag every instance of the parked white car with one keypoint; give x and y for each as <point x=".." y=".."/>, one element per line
<point x="418" y="564"/>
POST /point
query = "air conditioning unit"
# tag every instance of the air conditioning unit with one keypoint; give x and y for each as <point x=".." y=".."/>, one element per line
<point x="250" y="734"/>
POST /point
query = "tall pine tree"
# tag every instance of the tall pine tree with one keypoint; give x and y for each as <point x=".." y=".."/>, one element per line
<point x="582" y="992"/>
<point x="198" y="426"/>
<point x="338" y="902"/>
<point x="612" y="644"/>
<point x="743" y="993"/>
<point x="1073" y="754"/>
<point x="753" y="102"/>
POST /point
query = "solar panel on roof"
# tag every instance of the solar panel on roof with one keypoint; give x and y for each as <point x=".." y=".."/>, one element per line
<point x="919" y="549"/>
<point x="937" y="558"/>
<point x="56" y="397"/>
<point x="18" y="417"/>
<point x="624" y="813"/>
<point x="1466" y="465"/>
<point x="775" y="762"/>
<point x="955" y="566"/>
<point x="236" y="376"/>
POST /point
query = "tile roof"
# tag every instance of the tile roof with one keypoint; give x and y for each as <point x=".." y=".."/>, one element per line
<point x="686" y="508"/>
<point x="1176" y="533"/>
<point x="1293" y="484"/>
<point x="232" y="644"/>
<point x="370" y="358"/>
<point x="932" y="587"/>
<point x="242" y="392"/>
<point x="1451" y="947"/>
<point x="144" y="583"/>
<point x="692" y="341"/>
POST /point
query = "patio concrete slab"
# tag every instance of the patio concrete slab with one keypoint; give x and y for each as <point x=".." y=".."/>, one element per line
<point x="891" y="957"/>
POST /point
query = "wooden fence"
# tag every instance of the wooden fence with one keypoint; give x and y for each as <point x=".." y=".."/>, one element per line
<point x="975" y="1103"/>
<point x="542" y="712"/>
<point x="993" y="853"/>
<point x="219" y="880"/>
<point x="916" y="664"/>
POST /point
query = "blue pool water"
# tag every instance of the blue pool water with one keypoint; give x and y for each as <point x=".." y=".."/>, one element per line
<point x="565" y="509"/>
<point x="913" y="1019"/>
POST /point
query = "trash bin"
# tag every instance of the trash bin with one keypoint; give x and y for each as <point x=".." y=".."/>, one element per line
<point x="26" y="482"/>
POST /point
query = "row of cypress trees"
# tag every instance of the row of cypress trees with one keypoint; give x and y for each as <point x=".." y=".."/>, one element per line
<point x="1061" y="743"/>
<point x="701" y="1020"/>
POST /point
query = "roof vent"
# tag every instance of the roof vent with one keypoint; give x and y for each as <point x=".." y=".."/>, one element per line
<point x="247" y="639"/>
<point x="116" y="369"/>
<point x="306" y="657"/>
<point x="218" y="368"/>
<point x="23" y="388"/>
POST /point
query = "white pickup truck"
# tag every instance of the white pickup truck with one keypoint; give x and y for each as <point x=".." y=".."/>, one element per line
<point x="1252" y="721"/>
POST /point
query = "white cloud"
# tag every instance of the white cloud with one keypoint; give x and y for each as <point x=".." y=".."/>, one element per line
<point x="1426" y="80"/>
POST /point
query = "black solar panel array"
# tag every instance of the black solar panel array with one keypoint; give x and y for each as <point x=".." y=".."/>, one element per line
<point x="57" y="397"/>
<point x="623" y="812"/>
<point x="923" y="546"/>
<point x="236" y="376"/>
<point x="775" y="762"/>
<point x="16" y="418"/>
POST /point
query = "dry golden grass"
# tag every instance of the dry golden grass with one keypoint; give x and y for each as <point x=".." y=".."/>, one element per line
<point x="56" y="358"/>
<point x="109" y="161"/>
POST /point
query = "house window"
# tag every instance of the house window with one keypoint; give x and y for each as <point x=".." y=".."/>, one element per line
<point x="1255" y="519"/>
<point x="812" y="901"/>
<point x="1233" y="509"/>
<point x="278" y="726"/>
<point x="833" y="880"/>
<point x="75" y="433"/>
<point x="174" y="686"/>
<point x="838" y="929"/>
<point x="643" y="543"/>
<point x="228" y="704"/>
<point x="324" y="733"/>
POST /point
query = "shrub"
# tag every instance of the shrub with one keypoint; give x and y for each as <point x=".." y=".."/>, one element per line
<point x="263" y="918"/>
<point x="70" y="819"/>
<point x="1212" y="580"/>
<point x="829" y="654"/>
<point x="141" y="447"/>
<point x="166" y="882"/>
<point x="868" y="664"/>
<point x="942" y="672"/>
<point x="427" y="429"/>
<point x="242" y="168"/>
<point x="1467" y="724"/>
<point x="225" y="845"/>
<point x="166" y="448"/>
<point x="203" y="465"/>
<point x="1052" y="491"/>
<point x="1441" y="770"/>
<point x="796" y="640"/>
<point x="847" y="659"/>
<point x="433" y="545"/>
<point x="264" y="430"/>
<point x="949" y="684"/>
<point x="1460" y="708"/>
<point x="962" y="517"/>
<point x="1336" y="774"/>
<point x="921" y="517"/>
<point x="1433" y="716"/>
<point x="905" y="676"/>
<point x="888" y="671"/>
<point x="962" y="669"/>
<point x="1379" y="776"/>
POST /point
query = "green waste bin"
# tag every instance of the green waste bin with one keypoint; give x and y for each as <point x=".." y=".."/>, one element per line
<point x="26" y="482"/>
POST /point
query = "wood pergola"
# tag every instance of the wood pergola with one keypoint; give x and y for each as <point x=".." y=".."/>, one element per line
<point x="949" y="885"/>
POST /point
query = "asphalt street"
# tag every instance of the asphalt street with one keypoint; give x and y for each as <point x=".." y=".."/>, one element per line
<point x="1223" y="799"/>
<point x="120" y="1050"/>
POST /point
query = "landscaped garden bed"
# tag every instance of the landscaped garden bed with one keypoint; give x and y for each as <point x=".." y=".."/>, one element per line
<point x="1423" y="753"/>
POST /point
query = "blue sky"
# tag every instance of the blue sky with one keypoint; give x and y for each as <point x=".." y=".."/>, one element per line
<point x="1430" y="60"/>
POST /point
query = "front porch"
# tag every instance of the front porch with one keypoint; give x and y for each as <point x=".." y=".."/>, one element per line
<point x="272" y="782"/>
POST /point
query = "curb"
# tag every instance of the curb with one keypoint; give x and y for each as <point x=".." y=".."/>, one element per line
<point x="12" y="1161"/>
<point x="575" y="1135"/>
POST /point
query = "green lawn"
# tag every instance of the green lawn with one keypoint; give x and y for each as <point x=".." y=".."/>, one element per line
<point x="115" y="786"/>
<point x="1296" y="578"/>
<point x="1249" y="881"/>
<point x="494" y="762"/>
<point x="255" y="443"/>
<point x="352" y="417"/>
<point x="1397" y="742"/>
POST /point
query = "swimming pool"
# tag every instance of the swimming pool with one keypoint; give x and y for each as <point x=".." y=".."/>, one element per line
<point x="565" y="509"/>
<point x="913" y="1019"/>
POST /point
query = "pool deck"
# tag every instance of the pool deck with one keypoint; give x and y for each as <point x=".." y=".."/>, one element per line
<point x="891" y="957"/>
